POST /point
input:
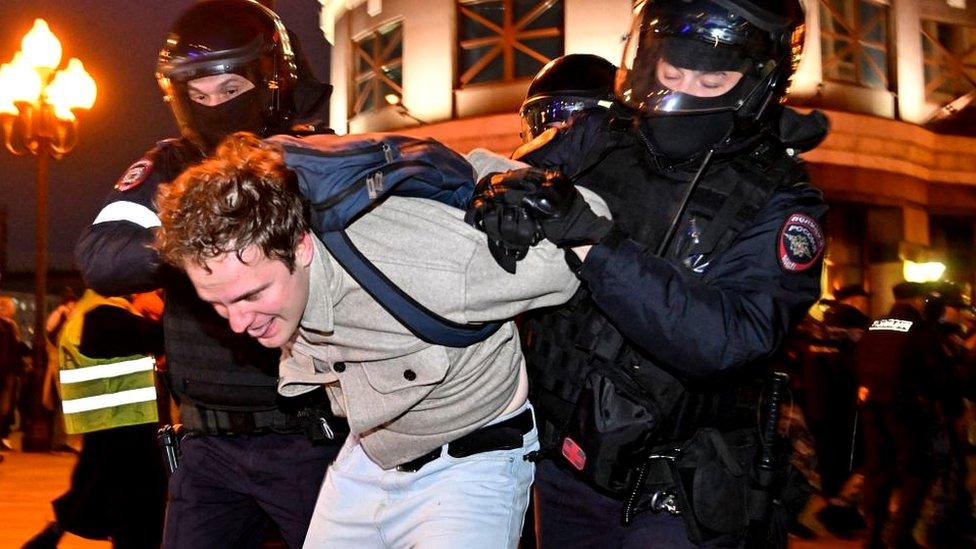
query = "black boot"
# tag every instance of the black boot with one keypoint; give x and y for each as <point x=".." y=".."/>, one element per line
<point x="47" y="538"/>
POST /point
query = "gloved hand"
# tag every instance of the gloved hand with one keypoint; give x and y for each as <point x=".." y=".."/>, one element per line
<point x="497" y="209"/>
<point x="563" y="214"/>
<point x="516" y="209"/>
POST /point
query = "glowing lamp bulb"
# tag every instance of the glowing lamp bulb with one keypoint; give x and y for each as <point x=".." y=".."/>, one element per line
<point x="41" y="48"/>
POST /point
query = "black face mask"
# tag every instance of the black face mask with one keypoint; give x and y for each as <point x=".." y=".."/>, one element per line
<point x="684" y="137"/>
<point x="241" y="114"/>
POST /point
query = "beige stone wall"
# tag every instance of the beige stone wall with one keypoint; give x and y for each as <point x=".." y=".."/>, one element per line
<point x="896" y="147"/>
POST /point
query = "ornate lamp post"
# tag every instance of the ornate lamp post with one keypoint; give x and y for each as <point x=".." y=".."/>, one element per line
<point x="36" y="103"/>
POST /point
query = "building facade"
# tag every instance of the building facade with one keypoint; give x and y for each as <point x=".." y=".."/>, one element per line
<point x="897" y="78"/>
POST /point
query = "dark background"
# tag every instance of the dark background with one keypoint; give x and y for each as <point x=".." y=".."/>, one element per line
<point x="117" y="40"/>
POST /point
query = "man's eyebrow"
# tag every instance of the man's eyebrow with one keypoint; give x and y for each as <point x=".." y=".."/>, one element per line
<point x="250" y="293"/>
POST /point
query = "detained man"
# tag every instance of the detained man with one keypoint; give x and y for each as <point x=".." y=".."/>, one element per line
<point x="442" y="437"/>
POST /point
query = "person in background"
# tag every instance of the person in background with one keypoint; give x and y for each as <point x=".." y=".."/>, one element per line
<point x="898" y="365"/>
<point x="951" y="523"/>
<point x="13" y="352"/>
<point x="108" y="347"/>
<point x="250" y="458"/>
<point x="50" y="397"/>
<point x="831" y="403"/>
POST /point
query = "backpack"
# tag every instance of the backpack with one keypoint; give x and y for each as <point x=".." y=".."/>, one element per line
<point x="342" y="177"/>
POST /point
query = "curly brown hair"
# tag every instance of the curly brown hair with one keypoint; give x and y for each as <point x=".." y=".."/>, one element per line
<point x="242" y="196"/>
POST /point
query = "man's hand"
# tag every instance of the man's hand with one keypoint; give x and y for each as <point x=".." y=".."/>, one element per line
<point x="497" y="209"/>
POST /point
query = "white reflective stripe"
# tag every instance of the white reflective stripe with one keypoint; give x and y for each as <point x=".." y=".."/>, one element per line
<point x="103" y="371"/>
<point x="77" y="405"/>
<point x="123" y="210"/>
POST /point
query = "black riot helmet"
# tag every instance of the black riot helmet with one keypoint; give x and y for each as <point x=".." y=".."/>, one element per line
<point x="564" y="87"/>
<point x="241" y="37"/>
<point x="761" y="39"/>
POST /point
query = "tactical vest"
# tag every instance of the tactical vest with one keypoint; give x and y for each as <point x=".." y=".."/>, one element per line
<point x="224" y="382"/>
<point x="103" y="393"/>
<point x="587" y="380"/>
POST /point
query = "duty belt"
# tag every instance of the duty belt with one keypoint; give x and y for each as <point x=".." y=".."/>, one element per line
<point x="504" y="435"/>
<point x="224" y="422"/>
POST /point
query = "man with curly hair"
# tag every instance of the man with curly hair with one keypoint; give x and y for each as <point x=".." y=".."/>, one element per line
<point x="440" y="435"/>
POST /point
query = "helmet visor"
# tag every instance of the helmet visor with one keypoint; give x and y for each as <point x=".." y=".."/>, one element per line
<point x="543" y="113"/>
<point x="683" y="61"/>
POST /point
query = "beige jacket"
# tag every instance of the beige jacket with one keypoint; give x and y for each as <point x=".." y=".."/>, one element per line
<point x="405" y="397"/>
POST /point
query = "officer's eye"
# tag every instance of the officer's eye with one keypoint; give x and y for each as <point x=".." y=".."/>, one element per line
<point x="199" y="97"/>
<point x="672" y="75"/>
<point x="714" y="80"/>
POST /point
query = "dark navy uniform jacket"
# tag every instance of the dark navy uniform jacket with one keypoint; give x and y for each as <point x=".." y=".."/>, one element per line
<point x="900" y="359"/>
<point x="116" y="254"/>
<point x="699" y="315"/>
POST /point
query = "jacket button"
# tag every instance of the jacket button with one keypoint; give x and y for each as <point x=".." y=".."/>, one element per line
<point x="339" y="367"/>
<point x="409" y="375"/>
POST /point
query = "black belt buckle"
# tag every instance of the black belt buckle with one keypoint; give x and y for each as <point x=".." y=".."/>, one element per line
<point x="414" y="465"/>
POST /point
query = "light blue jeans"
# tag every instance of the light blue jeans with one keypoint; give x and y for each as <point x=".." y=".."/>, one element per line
<point x="475" y="502"/>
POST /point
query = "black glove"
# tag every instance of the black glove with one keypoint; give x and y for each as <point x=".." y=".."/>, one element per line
<point x="563" y="214"/>
<point x="497" y="209"/>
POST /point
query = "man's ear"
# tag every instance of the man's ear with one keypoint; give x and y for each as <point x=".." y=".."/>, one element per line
<point x="304" y="250"/>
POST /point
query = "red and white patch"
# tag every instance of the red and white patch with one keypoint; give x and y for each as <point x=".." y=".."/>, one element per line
<point x="135" y="175"/>
<point x="801" y="242"/>
<point x="574" y="454"/>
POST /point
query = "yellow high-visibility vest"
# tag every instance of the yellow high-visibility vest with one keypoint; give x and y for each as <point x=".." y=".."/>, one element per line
<point x="103" y="393"/>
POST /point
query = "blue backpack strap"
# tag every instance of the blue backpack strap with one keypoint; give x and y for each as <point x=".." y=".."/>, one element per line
<point x="421" y="321"/>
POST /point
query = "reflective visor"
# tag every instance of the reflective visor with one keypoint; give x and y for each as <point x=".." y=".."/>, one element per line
<point x="692" y="61"/>
<point x="543" y="113"/>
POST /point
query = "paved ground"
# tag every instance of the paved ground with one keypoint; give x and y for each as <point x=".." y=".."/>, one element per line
<point x="29" y="481"/>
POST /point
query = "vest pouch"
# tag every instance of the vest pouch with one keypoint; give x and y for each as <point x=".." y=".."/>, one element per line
<point x="241" y="394"/>
<point x="611" y="425"/>
<point x="712" y="468"/>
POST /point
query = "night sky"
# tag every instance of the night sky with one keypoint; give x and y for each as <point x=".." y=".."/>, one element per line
<point x="117" y="40"/>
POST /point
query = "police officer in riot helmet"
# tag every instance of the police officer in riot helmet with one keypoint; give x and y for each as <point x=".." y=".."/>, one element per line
<point x="249" y="454"/>
<point x="214" y="56"/>
<point x="563" y="88"/>
<point x="713" y="253"/>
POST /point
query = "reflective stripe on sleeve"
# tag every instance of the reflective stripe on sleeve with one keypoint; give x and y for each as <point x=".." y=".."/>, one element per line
<point x="124" y="210"/>
<point x="77" y="405"/>
<point x="102" y="371"/>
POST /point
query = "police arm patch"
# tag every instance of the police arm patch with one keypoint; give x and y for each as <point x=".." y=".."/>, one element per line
<point x="135" y="175"/>
<point x="800" y="243"/>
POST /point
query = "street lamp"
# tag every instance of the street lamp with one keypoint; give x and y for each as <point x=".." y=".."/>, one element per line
<point x="36" y="103"/>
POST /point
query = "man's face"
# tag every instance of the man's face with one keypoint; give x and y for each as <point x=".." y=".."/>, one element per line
<point x="213" y="90"/>
<point x="257" y="296"/>
<point x="697" y="83"/>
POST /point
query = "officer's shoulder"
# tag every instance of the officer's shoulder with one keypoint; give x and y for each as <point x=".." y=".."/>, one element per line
<point x="581" y="127"/>
<point x="167" y="152"/>
<point x="538" y="143"/>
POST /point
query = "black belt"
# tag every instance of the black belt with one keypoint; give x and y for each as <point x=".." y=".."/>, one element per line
<point x="504" y="435"/>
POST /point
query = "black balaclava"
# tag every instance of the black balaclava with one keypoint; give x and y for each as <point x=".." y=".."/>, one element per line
<point x="684" y="137"/>
<point x="240" y="114"/>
